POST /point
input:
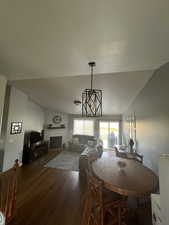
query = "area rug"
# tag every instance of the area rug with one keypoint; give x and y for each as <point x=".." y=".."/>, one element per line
<point x="66" y="160"/>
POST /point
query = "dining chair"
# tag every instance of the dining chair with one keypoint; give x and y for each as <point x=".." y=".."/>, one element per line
<point x="127" y="155"/>
<point x="88" y="217"/>
<point x="139" y="158"/>
<point x="135" y="156"/>
<point x="8" y="189"/>
<point x="120" y="153"/>
<point x="102" y="204"/>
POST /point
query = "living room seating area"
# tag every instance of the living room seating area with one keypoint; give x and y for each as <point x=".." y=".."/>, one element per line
<point x="79" y="142"/>
<point x="76" y="155"/>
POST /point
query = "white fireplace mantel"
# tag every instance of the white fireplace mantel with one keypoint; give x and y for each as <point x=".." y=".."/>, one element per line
<point x="56" y="132"/>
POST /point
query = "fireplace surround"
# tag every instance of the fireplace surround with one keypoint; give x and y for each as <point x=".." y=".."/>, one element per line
<point x="56" y="142"/>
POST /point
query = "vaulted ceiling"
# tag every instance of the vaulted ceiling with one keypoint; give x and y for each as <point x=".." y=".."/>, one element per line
<point x="59" y="93"/>
<point x="56" y="38"/>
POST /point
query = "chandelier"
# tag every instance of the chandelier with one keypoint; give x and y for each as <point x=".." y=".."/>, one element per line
<point x="92" y="99"/>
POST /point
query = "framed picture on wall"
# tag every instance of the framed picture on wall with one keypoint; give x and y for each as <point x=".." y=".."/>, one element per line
<point x="16" y="128"/>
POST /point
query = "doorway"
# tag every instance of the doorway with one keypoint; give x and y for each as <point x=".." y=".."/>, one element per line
<point x="109" y="133"/>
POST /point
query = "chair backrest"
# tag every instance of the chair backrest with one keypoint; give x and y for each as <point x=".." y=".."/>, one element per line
<point x="95" y="189"/>
<point x="139" y="158"/>
<point x="8" y="189"/>
<point x="94" y="201"/>
<point x="95" y="185"/>
<point x="87" y="217"/>
<point x="135" y="156"/>
<point x="116" y="151"/>
<point x="90" y="160"/>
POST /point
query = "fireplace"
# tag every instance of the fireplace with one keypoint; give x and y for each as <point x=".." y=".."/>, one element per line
<point x="56" y="142"/>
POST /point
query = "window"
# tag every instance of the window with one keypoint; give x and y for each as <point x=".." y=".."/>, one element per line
<point x="84" y="127"/>
<point x="109" y="133"/>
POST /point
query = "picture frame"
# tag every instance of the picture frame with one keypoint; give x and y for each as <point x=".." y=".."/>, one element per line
<point x="16" y="128"/>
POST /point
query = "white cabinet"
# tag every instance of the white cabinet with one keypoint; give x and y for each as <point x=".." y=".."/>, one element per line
<point x="156" y="209"/>
<point x="2" y="219"/>
<point x="164" y="187"/>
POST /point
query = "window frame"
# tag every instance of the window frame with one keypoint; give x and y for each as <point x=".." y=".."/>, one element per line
<point x="81" y="119"/>
<point x="120" y="127"/>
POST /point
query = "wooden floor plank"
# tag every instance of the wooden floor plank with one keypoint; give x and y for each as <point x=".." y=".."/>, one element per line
<point x="49" y="196"/>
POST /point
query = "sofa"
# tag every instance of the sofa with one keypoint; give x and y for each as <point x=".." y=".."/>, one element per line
<point x="92" y="150"/>
<point x="88" y="146"/>
<point x="78" y="143"/>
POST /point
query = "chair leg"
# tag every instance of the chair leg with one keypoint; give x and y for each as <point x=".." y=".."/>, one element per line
<point x="119" y="218"/>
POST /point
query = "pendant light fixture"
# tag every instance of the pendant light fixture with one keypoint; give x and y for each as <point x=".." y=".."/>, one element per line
<point x="77" y="102"/>
<point x="92" y="99"/>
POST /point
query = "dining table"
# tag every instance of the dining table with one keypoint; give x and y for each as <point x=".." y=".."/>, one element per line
<point x="127" y="177"/>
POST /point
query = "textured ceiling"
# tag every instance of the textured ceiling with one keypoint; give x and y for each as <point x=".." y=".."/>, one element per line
<point x="119" y="90"/>
<point x="48" y="38"/>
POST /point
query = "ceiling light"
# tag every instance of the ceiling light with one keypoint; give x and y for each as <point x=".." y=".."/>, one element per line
<point x="77" y="102"/>
<point x="92" y="99"/>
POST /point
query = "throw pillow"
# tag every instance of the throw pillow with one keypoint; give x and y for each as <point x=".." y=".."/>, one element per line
<point x="75" y="140"/>
<point x="90" y="143"/>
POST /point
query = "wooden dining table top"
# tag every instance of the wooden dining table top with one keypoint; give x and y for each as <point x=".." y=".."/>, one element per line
<point x="133" y="179"/>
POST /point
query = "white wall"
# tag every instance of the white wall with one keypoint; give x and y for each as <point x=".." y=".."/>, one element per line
<point x="56" y="132"/>
<point x="151" y="108"/>
<point x="34" y="117"/>
<point x="20" y="108"/>
<point x="14" y="143"/>
<point x="3" y="82"/>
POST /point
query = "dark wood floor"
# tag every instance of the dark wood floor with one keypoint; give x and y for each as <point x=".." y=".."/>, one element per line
<point x="49" y="196"/>
<point x="40" y="162"/>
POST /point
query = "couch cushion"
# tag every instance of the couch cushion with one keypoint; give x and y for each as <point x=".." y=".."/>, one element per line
<point x="91" y="143"/>
<point x="83" y="139"/>
<point x="89" y="151"/>
<point x="75" y="140"/>
<point x="99" y="150"/>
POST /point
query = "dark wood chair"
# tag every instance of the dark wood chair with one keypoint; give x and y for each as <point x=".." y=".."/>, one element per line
<point x="8" y="189"/>
<point x="139" y="158"/>
<point x="122" y="154"/>
<point x="102" y="204"/>
<point x="135" y="156"/>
